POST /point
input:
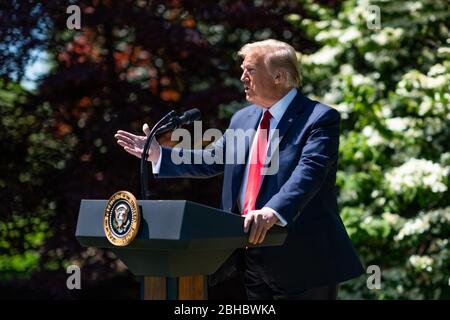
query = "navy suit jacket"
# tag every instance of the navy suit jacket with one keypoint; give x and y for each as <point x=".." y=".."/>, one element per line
<point x="317" y="250"/>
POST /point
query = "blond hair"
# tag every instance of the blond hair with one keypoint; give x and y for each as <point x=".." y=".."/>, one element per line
<point x="277" y="55"/>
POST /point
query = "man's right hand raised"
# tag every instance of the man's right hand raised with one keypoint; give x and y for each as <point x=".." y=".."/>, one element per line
<point x="134" y="144"/>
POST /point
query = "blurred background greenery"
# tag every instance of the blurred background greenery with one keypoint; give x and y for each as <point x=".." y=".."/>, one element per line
<point x="64" y="93"/>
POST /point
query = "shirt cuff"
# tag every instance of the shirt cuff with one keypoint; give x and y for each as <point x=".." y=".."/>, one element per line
<point x="156" y="166"/>
<point x="282" y="222"/>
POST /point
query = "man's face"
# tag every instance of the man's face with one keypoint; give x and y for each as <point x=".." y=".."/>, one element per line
<point x="259" y="84"/>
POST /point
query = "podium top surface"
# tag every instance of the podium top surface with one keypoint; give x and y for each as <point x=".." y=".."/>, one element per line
<point x="173" y="225"/>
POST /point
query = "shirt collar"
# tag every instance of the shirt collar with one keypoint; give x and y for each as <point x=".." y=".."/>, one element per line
<point x="278" y="109"/>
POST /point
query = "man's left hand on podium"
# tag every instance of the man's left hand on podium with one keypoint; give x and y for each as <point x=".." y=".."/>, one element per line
<point x="259" y="222"/>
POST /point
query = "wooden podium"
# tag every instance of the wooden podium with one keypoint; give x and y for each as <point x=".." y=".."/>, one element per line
<point x="178" y="243"/>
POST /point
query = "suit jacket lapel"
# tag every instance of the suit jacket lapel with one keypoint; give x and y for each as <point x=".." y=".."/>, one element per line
<point x="293" y="111"/>
<point x="251" y="121"/>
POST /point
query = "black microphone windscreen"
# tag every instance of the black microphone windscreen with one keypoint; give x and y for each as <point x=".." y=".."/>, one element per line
<point x="192" y="115"/>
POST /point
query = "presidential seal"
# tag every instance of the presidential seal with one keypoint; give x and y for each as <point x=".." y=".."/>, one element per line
<point x="121" y="219"/>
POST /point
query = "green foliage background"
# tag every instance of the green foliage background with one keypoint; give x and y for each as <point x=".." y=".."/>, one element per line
<point x="391" y="86"/>
<point x="133" y="60"/>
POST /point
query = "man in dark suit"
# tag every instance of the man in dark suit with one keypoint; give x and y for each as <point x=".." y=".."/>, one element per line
<point x="299" y="194"/>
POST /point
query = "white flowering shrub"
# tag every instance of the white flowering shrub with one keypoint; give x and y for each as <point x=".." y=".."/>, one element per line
<point x="417" y="180"/>
<point x="391" y="86"/>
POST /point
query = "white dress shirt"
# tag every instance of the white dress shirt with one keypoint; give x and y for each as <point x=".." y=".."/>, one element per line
<point x="277" y="111"/>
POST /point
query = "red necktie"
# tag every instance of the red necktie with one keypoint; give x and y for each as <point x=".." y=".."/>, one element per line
<point x="258" y="156"/>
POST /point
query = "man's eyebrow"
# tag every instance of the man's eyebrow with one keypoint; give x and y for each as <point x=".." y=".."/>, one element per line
<point x="250" y="65"/>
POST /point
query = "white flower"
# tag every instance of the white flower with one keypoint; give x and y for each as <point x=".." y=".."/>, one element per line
<point x="425" y="105"/>
<point x="344" y="109"/>
<point x="397" y="124"/>
<point x="373" y="136"/>
<point x="417" y="226"/>
<point x="326" y="55"/>
<point x="414" y="81"/>
<point x="418" y="173"/>
<point x="359" y="79"/>
<point x="414" y="6"/>
<point x="437" y="69"/>
<point x="434" y="83"/>
<point x="326" y="34"/>
<point x="444" y="51"/>
<point x="332" y="97"/>
<point x="357" y="15"/>
<point x="322" y="24"/>
<point x="391" y="218"/>
<point x="350" y="34"/>
<point x="386" y="111"/>
<point x="380" y="38"/>
<point x="347" y="69"/>
<point x="375" y="193"/>
<point x="422" y="262"/>
<point x="387" y="35"/>
<point x="409" y="126"/>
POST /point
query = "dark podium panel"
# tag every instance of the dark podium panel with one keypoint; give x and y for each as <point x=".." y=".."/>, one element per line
<point x="176" y="237"/>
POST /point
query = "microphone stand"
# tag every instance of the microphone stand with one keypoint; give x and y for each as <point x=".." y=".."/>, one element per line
<point x="171" y="283"/>
<point x="145" y="192"/>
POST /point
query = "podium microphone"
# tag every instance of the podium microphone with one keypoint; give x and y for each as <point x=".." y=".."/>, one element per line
<point x="169" y="122"/>
<point x="176" y="122"/>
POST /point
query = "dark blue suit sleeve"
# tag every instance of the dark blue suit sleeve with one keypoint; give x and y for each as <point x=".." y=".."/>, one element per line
<point x="319" y="154"/>
<point x="191" y="163"/>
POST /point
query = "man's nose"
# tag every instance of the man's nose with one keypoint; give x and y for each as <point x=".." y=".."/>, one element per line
<point x="244" y="76"/>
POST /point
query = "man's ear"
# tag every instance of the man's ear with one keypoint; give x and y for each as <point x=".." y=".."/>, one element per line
<point x="279" y="77"/>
